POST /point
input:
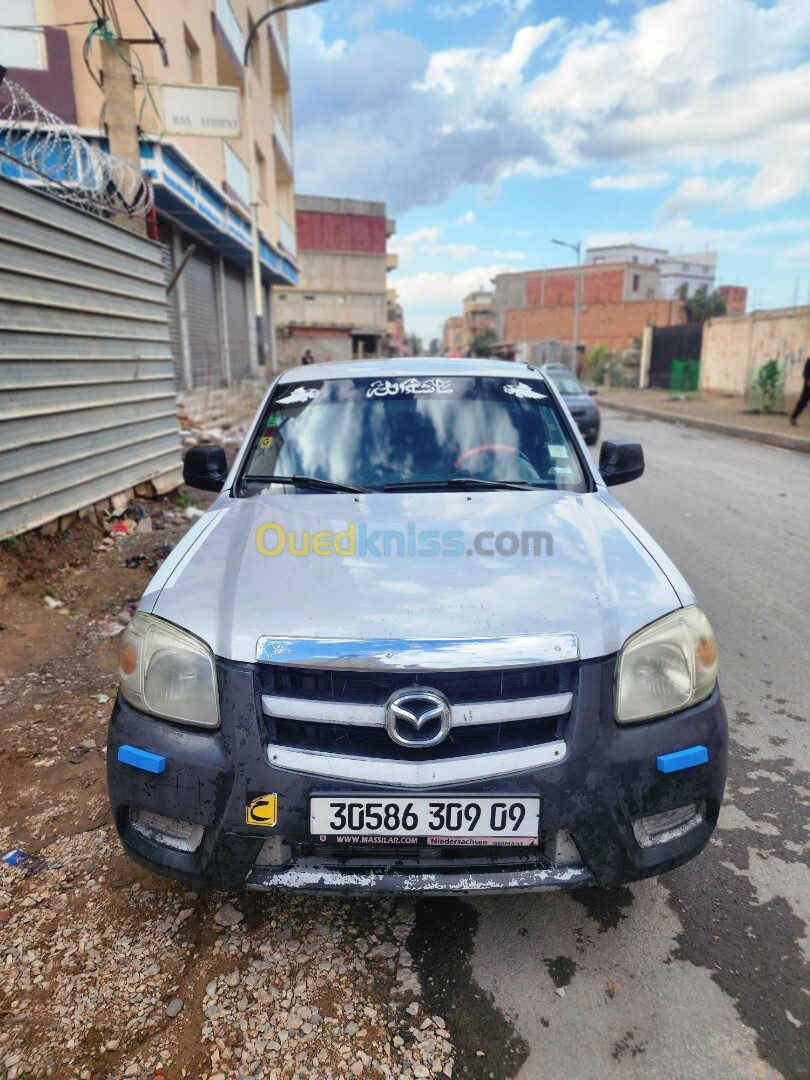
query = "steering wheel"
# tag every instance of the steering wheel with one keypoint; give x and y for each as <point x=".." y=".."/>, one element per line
<point x="488" y="448"/>
<point x="499" y="448"/>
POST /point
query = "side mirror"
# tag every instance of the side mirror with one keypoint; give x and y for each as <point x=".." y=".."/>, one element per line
<point x="205" y="467"/>
<point x="620" y="461"/>
<point x="593" y="391"/>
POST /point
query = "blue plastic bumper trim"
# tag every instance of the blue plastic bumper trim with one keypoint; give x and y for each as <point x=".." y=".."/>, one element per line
<point x="682" y="759"/>
<point x="141" y="759"/>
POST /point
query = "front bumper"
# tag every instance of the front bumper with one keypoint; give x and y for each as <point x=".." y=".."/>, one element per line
<point x="608" y="778"/>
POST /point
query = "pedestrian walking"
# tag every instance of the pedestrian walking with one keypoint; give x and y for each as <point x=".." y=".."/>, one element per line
<point x="804" y="397"/>
<point x="307" y="358"/>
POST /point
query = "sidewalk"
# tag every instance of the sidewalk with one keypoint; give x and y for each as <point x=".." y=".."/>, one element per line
<point x="712" y="412"/>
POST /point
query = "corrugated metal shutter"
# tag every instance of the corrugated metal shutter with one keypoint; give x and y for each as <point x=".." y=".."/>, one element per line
<point x="236" y="315"/>
<point x="203" y="323"/>
<point x="173" y="305"/>
<point x="87" y="404"/>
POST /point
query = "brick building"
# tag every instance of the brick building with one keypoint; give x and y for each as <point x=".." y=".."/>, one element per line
<point x="735" y="297"/>
<point x="340" y="309"/>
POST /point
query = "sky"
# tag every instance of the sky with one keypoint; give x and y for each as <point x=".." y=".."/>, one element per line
<point x="491" y="127"/>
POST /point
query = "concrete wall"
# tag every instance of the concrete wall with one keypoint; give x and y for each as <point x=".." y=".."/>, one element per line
<point x="325" y="345"/>
<point x="735" y="347"/>
<point x="614" y="325"/>
<point x="510" y="293"/>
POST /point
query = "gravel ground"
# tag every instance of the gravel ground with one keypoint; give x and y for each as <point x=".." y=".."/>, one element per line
<point x="104" y="976"/>
<point x="110" y="971"/>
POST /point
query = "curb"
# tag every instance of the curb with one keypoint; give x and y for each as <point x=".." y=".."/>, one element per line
<point x="770" y="438"/>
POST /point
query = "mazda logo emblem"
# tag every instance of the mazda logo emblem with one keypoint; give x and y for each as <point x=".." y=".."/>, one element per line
<point x="417" y="717"/>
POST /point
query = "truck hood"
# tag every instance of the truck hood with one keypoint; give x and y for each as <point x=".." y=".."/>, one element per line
<point x="594" y="578"/>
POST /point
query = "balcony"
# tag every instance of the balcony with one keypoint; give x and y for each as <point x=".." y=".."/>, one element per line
<point x="280" y="56"/>
<point x="282" y="144"/>
<point x="231" y="27"/>
<point x="237" y="176"/>
<point x="391" y="261"/>
<point x="286" y="236"/>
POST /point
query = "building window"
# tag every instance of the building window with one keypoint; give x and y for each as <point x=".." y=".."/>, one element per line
<point x="193" y="63"/>
<point x="21" y="48"/>
<point x="636" y="282"/>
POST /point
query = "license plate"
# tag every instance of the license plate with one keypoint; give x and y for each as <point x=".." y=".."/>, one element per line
<point x="438" y="820"/>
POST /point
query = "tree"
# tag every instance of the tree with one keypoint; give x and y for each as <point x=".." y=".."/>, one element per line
<point x="483" y="344"/>
<point x="701" y="306"/>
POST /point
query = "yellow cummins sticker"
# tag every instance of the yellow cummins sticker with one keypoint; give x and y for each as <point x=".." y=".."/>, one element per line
<point x="262" y="811"/>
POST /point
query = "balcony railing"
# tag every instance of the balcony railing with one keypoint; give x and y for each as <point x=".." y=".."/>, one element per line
<point x="283" y="141"/>
<point x="231" y="27"/>
<point x="286" y="236"/>
<point x="237" y="175"/>
<point x="280" y="45"/>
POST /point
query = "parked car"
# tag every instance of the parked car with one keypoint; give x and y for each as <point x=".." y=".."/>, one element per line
<point x="416" y="645"/>
<point x="579" y="400"/>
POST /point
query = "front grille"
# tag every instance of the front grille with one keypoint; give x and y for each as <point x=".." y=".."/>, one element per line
<point x="413" y="857"/>
<point x="324" y="686"/>
<point x="370" y="742"/>
<point x="376" y="687"/>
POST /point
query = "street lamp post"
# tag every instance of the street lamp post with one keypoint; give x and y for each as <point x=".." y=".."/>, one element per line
<point x="577" y="247"/>
<point x="254" y="186"/>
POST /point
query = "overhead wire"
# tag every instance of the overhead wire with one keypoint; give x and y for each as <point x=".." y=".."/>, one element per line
<point x="159" y="41"/>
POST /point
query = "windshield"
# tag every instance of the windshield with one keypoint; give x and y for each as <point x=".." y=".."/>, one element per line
<point x="373" y="433"/>
<point x="566" y="382"/>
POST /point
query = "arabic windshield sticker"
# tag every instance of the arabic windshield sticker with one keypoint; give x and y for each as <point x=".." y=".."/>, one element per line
<point x="408" y="387"/>
<point x="299" y="396"/>
<point x="274" y="420"/>
<point x="523" y="390"/>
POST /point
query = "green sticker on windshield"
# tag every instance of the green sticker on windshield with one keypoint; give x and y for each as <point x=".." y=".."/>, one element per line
<point x="274" y="420"/>
<point x="558" y="451"/>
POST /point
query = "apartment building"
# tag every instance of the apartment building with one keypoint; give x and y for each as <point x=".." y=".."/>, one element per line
<point x="201" y="182"/>
<point x="340" y="309"/>
<point x="479" y="316"/>
<point x="616" y="293"/>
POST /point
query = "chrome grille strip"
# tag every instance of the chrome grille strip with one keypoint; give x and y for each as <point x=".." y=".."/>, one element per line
<point x="392" y="773"/>
<point x="429" y="655"/>
<point x="358" y="715"/>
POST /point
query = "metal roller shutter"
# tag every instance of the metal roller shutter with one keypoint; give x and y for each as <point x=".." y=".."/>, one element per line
<point x="236" y="314"/>
<point x="203" y="324"/>
<point x="172" y="304"/>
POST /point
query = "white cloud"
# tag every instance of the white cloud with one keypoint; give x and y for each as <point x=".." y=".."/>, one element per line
<point x="696" y="193"/>
<point x="463" y="9"/>
<point x="630" y="181"/>
<point x="430" y="297"/>
<point x="467" y="218"/>
<point x="685" y="85"/>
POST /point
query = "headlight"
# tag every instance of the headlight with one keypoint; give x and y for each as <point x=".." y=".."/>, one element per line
<point x="666" y="667"/>
<point x="168" y="672"/>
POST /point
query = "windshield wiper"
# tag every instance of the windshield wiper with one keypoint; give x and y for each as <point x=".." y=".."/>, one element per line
<point x="462" y="482"/>
<point x="311" y="482"/>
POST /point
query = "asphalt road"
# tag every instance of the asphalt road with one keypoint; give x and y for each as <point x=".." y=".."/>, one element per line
<point x="701" y="973"/>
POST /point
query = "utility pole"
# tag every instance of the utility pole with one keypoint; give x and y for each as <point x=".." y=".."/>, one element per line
<point x="268" y="363"/>
<point x="577" y="247"/>
<point x="121" y="119"/>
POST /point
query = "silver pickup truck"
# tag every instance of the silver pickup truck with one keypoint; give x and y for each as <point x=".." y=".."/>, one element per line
<point x="415" y="645"/>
